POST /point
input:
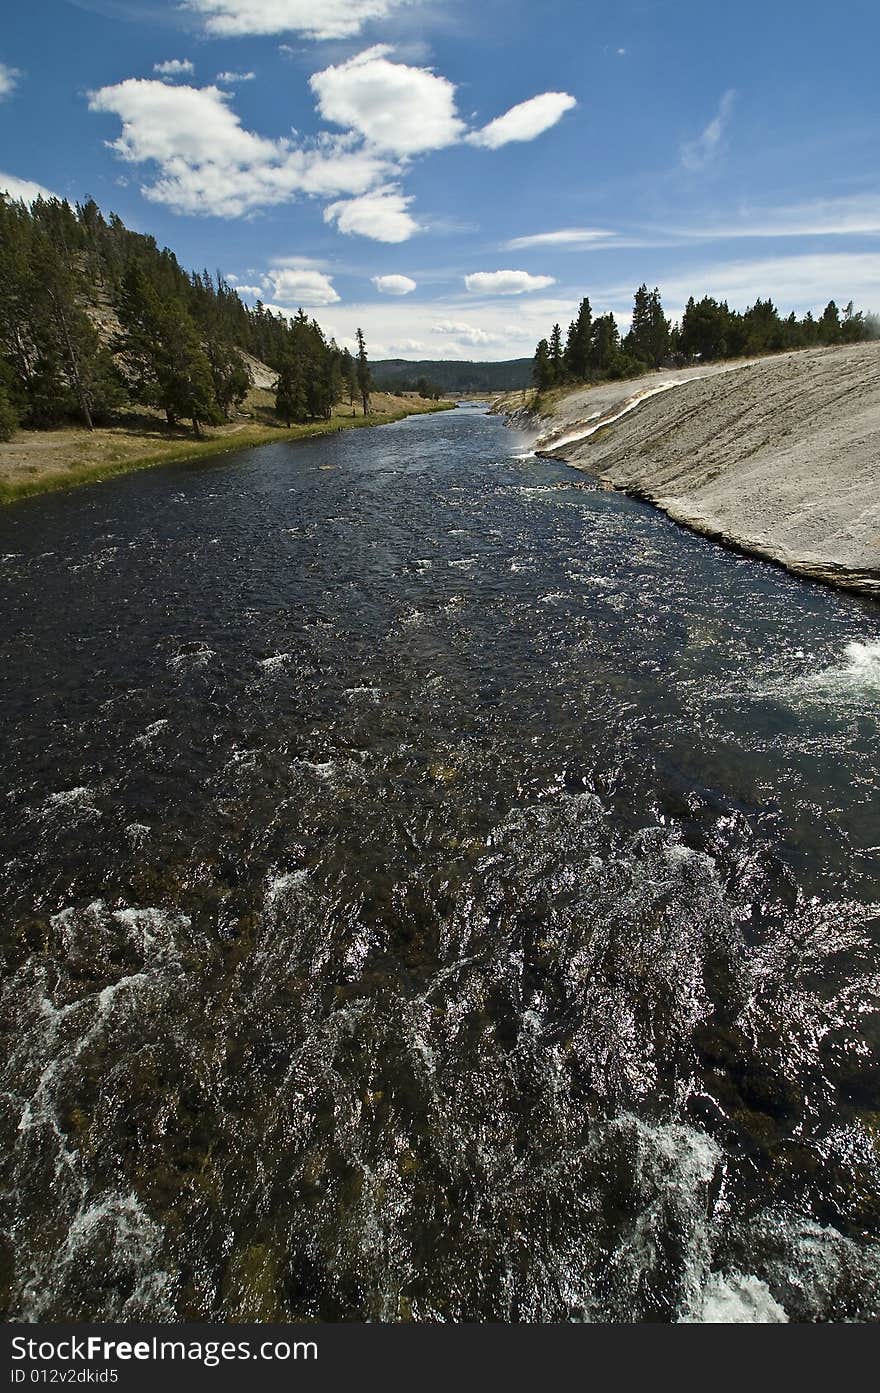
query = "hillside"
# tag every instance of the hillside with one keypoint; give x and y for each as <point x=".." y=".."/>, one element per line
<point x="778" y="456"/>
<point x="455" y="377"/>
<point x="112" y="357"/>
<point x="95" y="319"/>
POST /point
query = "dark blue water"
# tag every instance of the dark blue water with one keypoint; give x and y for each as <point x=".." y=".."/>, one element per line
<point x="431" y="892"/>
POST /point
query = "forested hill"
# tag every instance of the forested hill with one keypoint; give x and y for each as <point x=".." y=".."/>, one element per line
<point x="94" y="317"/>
<point x="452" y="377"/>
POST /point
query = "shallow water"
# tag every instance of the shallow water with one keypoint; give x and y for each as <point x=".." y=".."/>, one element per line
<point x="432" y="893"/>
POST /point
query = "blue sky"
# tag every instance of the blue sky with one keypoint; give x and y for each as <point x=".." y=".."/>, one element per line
<point x="454" y="176"/>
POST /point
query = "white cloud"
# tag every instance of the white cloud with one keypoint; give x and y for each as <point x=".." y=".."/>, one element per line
<point x="793" y="282"/>
<point x="170" y="124"/>
<point x="382" y="215"/>
<point x="506" y="282"/>
<point x="300" y="285"/>
<point x="329" y="19"/>
<point x="698" y="154"/>
<point x="174" y="67"/>
<point x="525" y="121"/>
<point x="465" y="333"/>
<point x="24" y="189"/>
<point x="394" y="285"/>
<point x="395" y="107"/>
<point x="208" y="163"/>
<point x="297" y="263"/>
<point x="564" y="237"/>
<point x="835" y="217"/>
<point x="453" y="328"/>
<point x="407" y="346"/>
<point x="8" y="80"/>
<point x="253" y="292"/>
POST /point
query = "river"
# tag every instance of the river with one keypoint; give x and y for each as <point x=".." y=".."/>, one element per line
<point x="431" y="891"/>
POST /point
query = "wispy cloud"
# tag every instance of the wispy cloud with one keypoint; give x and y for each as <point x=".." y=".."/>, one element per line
<point x="562" y="237"/>
<point x="8" y="80"/>
<point x="856" y="215"/>
<point x="700" y="153"/>
<point x="230" y="78"/>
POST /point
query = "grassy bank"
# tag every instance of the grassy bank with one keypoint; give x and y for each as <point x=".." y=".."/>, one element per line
<point x="43" y="461"/>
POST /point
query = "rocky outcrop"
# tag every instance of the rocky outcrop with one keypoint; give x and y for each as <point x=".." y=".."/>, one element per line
<point x="261" y="375"/>
<point x="107" y="322"/>
<point x="779" y="457"/>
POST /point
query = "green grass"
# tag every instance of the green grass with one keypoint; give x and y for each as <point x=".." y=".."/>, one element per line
<point x="182" y="451"/>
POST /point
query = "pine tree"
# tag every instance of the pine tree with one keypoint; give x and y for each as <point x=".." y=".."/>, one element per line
<point x="658" y="331"/>
<point x="542" y="371"/>
<point x="331" y="378"/>
<point x="291" y="400"/>
<point x="637" y="341"/>
<point x="139" y="344"/>
<point x="183" y="373"/>
<point x="606" y="346"/>
<point x="162" y="347"/>
<point x="829" y="324"/>
<point x="18" y="345"/>
<point x="852" y="326"/>
<point x="557" y="365"/>
<point x="364" y="376"/>
<point x="56" y="364"/>
<point x="349" y="378"/>
<point x="705" y="329"/>
<point x="89" y="372"/>
<point x="229" y="374"/>
<point x="8" y="415"/>
<point x="648" y="338"/>
<point x="577" y="349"/>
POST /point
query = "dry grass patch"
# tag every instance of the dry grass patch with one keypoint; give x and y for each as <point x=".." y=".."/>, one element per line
<point x="41" y="461"/>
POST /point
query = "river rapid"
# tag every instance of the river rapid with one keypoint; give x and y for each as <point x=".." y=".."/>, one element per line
<point x="431" y="892"/>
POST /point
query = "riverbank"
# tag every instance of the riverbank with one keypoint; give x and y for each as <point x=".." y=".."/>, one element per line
<point x="777" y="456"/>
<point x="43" y="461"/>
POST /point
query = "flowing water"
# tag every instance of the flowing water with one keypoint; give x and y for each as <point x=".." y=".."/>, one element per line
<point x="431" y="892"/>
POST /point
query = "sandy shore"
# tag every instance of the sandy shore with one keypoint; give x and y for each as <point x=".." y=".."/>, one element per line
<point x="779" y="456"/>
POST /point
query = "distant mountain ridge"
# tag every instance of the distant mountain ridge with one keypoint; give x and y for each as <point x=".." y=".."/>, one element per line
<point x="455" y="376"/>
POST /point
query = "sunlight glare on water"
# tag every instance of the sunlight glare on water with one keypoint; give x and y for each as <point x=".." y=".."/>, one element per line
<point x="431" y="893"/>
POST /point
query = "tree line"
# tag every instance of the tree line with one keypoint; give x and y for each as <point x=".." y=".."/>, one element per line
<point x="95" y="317"/>
<point x="594" y="350"/>
<point x="423" y="386"/>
